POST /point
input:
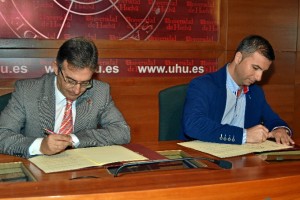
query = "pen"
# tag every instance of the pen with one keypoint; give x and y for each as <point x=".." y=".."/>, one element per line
<point x="48" y="132"/>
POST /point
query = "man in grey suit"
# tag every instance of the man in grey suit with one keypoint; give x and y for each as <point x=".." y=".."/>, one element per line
<point x="39" y="104"/>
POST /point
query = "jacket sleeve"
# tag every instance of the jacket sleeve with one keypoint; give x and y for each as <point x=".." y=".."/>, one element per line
<point x="107" y="125"/>
<point x="12" y="120"/>
<point x="269" y="118"/>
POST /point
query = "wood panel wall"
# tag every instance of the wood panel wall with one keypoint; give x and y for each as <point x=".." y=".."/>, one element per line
<point x="137" y="98"/>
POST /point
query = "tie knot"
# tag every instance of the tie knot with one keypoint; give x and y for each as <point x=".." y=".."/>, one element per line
<point x="69" y="101"/>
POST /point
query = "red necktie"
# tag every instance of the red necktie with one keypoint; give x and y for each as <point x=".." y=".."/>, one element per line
<point x="67" y="122"/>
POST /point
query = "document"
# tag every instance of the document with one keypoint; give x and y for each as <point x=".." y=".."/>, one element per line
<point x="85" y="157"/>
<point x="230" y="150"/>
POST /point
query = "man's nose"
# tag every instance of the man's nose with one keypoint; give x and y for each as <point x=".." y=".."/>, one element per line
<point x="258" y="75"/>
<point x="77" y="88"/>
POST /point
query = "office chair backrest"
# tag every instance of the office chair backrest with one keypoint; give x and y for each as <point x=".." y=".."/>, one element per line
<point x="171" y="102"/>
<point x="4" y="100"/>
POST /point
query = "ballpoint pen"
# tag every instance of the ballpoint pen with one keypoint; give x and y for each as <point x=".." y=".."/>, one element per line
<point x="48" y="132"/>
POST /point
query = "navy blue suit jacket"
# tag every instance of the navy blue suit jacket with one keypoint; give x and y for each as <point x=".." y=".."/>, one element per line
<point x="205" y="105"/>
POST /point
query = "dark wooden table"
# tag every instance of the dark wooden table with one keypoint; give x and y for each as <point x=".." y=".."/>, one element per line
<point x="250" y="178"/>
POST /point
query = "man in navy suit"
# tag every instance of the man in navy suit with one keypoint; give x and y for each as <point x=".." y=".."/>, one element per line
<point x="39" y="104"/>
<point x="227" y="107"/>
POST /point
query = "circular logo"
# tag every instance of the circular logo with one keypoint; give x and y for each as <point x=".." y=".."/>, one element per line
<point x="98" y="19"/>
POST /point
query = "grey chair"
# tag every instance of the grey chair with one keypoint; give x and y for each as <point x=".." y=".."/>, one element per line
<point x="4" y="101"/>
<point x="171" y="102"/>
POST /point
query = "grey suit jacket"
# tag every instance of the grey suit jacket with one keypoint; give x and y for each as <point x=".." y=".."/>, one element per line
<point x="32" y="108"/>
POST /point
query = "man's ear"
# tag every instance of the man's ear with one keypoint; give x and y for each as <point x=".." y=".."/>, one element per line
<point x="55" y="67"/>
<point x="238" y="57"/>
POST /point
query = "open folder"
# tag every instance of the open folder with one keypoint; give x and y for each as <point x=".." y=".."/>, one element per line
<point x="230" y="150"/>
<point x="85" y="157"/>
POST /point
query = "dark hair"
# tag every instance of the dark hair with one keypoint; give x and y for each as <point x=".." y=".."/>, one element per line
<point x="253" y="43"/>
<point x="80" y="52"/>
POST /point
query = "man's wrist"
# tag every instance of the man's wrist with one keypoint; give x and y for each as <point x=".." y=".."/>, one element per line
<point x="287" y="130"/>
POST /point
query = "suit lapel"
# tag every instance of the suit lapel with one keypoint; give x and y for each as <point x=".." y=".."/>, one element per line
<point x="46" y="105"/>
<point x="83" y="110"/>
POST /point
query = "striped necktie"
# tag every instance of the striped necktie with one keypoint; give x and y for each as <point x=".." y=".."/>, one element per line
<point x="67" y="122"/>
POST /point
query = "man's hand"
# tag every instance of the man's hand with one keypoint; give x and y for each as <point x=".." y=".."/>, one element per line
<point x="55" y="143"/>
<point x="257" y="134"/>
<point x="281" y="136"/>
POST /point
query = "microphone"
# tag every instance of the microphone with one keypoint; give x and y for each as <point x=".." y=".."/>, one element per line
<point x="221" y="163"/>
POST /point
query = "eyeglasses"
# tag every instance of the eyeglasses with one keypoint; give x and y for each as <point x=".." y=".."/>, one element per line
<point x="72" y="82"/>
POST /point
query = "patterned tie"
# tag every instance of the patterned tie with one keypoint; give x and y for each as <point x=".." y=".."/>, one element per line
<point x="67" y="122"/>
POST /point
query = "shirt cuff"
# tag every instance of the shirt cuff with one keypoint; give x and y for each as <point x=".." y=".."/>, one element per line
<point x="75" y="140"/>
<point x="244" y="136"/>
<point x="34" y="148"/>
